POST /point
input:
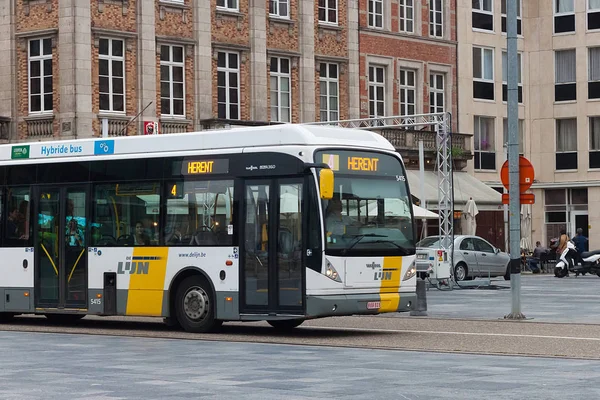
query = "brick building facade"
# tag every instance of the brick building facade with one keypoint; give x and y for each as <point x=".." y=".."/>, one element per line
<point x="189" y="64"/>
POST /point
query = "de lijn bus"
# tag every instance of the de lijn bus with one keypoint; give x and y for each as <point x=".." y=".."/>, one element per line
<point x="281" y="224"/>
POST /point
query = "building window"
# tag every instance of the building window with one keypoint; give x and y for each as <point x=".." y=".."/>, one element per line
<point x="483" y="14"/>
<point x="593" y="14"/>
<point x="40" y="76"/>
<point x="594" y="142"/>
<point x="329" y="92"/>
<point x="376" y="91"/>
<point x="407" y="16"/>
<point x="172" y="78"/>
<point x="519" y="13"/>
<point x="505" y="77"/>
<point x="566" y="144"/>
<point x="565" y="87"/>
<point x="279" y="8"/>
<point x="483" y="73"/>
<point x="594" y="73"/>
<point x="281" y="89"/>
<point x="408" y="92"/>
<point x="111" y="71"/>
<point x="564" y="16"/>
<point x="231" y="5"/>
<point x="436" y="93"/>
<point x="521" y="134"/>
<point x="436" y="18"/>
<point x="328" y="11"/>
<point x="228" y="85"/>
<point x="485" y="146"/>
<point x="376" y="14"/>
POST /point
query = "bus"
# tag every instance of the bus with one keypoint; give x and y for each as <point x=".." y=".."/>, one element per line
<point x="280" y="224"/>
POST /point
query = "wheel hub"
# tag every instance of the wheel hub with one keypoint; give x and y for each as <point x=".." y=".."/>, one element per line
<point x="195" y="303"/>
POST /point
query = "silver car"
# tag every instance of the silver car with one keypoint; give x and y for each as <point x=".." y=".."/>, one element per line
<point x="473" y="257"/>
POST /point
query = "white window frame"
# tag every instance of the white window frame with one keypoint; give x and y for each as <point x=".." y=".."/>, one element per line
<point x="556" y="132"/>
<point x="227" y="70"/>
<point x="521" y="125"/>
<point x="589" y="10"/>
<point x="373" y="14"/>
<point x="275" y="10"/>
<point x="328" y="80"/>
<point x="228" y="5"/>
<point x="173" y="64"/>
<point x="327" y="9"/>
<point x="404" y="72"/>
<point x="591" y="119"/>
<point x="519" y="14"/>
<point x="557" y="13"/>
<point x="403" y="7"/>
<point x="43" y="75"/>
<point x="483" y="10"/>
<point x="435" y="22"/>
<point x="433" y="90"/>
<point x="477" y="122"/>
<point x="556" y="52"/>
<point x="483" y="78"/>
<point x="111" y="58"/>
<point x="375" y="84"/>
<point x="589" y="66"/>
<point x="505" y="68"/>
<point x="279" y="77"/>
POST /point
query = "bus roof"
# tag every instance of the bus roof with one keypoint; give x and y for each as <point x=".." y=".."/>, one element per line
<point x="236" y="138"/>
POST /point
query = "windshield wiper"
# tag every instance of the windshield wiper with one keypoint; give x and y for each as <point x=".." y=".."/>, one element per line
<point x="404" y="249"/>
<point x="358" y="238"/>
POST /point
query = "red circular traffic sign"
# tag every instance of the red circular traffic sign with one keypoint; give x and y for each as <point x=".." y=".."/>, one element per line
<point x="526" y="174"/>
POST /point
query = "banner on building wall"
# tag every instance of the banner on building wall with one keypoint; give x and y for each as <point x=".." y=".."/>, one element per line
<point x="150" y="128"/>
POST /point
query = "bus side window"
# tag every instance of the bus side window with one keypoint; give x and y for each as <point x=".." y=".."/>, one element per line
<point x="119" y="208"/>
<point x="17" y="224"/>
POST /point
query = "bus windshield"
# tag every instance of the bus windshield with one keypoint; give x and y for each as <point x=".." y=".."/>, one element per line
<point x="370" y="212"/>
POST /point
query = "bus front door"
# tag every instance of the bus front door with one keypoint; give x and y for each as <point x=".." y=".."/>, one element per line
<point x="271" y="262"/>
<point x="61" y="233"/>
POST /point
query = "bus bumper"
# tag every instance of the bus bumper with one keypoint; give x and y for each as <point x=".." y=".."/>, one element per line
<point x="357" y="304"/>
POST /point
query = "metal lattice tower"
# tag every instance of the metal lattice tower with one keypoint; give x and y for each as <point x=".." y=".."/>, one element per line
<point x="442" y="126"/>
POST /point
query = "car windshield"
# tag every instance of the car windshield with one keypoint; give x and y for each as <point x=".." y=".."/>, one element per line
<point x="370" y="213"/>
<point x="431" y="242"/>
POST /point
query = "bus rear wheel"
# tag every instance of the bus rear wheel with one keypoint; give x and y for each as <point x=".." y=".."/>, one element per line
<point x="195" y="306"/>
<point x="285" y="324"/>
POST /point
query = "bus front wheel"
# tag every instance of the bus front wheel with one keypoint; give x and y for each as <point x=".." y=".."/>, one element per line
<point x="195" y="305"/>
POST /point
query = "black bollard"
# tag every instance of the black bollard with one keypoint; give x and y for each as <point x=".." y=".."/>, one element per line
<point x="420" y="309"/>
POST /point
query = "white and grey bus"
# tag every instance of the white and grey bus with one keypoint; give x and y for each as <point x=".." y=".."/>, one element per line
<point x="282" y="223"/>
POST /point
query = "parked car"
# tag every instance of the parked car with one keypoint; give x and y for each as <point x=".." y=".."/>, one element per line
<point x="473" y="257"/>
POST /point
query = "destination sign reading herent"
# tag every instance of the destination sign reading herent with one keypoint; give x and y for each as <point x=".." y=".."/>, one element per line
<point x="205" y="167"/>
<point x="359" y="162"/>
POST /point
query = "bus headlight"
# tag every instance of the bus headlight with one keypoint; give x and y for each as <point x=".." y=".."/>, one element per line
<point x="412" y="271"/>
<point x="331" y="272"/>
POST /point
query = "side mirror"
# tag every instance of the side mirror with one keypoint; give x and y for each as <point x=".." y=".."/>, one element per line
<point x="326" y="183"/>
<point x="496" y="250"/>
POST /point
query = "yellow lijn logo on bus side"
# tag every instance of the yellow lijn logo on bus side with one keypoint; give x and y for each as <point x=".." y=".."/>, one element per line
<point x="147" y="281"/>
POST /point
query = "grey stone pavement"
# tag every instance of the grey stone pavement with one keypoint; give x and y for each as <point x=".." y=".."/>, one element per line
<point x="544" y="298"/>
<point x="83" y="366"/>
<point x="74" y="366"/>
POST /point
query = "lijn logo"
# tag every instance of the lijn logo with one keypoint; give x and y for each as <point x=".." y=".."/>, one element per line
<point x="20" y="152"/>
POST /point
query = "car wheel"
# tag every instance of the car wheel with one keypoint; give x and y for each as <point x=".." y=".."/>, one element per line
<point x="460" y="272"/>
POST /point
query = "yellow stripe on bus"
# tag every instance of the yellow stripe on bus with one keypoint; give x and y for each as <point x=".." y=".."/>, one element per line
<point x="145" y="296"/>
<point x="388" y="292"/>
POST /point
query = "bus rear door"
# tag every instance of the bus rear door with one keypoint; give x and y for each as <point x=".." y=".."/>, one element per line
<point x="61" y="232"/>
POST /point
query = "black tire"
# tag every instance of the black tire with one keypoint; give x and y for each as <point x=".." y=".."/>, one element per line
<point x="64" y="318"/>
<point x="285" y="324"/>
<point x="195" y="306"/>
<point x="560" y="272"/>
<point x="507" y="274"/>
<point x="461" y="272"/>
